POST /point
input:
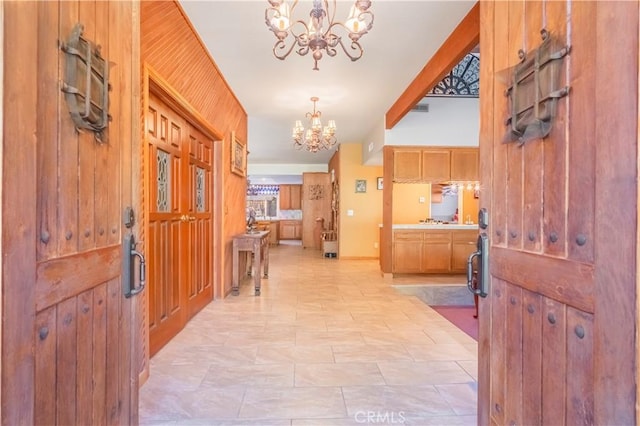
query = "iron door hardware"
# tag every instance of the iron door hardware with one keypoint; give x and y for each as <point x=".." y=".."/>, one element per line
<point x="482" y="287"/>
<point x="129" y="254"/>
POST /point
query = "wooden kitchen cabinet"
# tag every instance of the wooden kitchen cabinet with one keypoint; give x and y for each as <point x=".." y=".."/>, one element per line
<point x="464" y="243"/>
<point x="290" y="230"/>
<point x="436" y="165"/>
<point x="407" y="251"/>
<point x="290" y="197"/>
<point x="432" y="251"/>
<point x="436" y="252"/>
<point x="407" y="165"/>
<point x="465" y="164"/>
<point x="274" y="233"/>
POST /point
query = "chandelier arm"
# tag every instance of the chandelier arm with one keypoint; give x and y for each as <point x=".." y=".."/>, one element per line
<point x="355" y="47"/>
<point x="281" y="45"/>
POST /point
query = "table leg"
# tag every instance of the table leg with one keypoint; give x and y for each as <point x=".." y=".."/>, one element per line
<point x="266" y="258"/>
<point x="257" y="259"/>
<point x="235" y="279"/>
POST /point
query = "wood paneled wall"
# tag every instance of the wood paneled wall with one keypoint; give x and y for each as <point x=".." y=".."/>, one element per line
<point x="172" y="48"/>
<point x="316" y="203"/>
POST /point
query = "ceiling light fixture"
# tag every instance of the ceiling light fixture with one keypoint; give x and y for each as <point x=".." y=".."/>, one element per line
<point x="316" y="137"/>
<point x="315" y="37"/>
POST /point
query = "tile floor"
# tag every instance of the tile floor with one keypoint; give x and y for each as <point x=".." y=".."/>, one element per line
<point x="328" y="343"/>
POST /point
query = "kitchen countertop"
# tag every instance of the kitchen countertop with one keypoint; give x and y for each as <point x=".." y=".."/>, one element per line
<point x="435" y="226"/>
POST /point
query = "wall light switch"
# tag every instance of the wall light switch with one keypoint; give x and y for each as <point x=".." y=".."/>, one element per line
<point x="349" y="212"/>
<point x="421" y="200"/>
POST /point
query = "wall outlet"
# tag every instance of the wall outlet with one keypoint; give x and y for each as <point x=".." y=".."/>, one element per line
<point x="349" y="212"/>
<point x="421" y="200"/>
<point x="375" y="245"/>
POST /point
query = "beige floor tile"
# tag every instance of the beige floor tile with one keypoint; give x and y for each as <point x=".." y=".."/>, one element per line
<point x="328" y="342"/>
<point x="338" y="374"/>
<point x="424" y="372"/>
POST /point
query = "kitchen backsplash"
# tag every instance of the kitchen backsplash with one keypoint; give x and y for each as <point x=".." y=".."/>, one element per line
<point x="290" y="214"/>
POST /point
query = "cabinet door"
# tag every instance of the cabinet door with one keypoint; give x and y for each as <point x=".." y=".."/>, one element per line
<point x="407" y="251"/>
<point x="407" y="165"/>
<point x="464" y="243"/>
<point x="296" y="197"/>
<point x="285" y="197"/>
<point x="298" y="231"/>
<point x="464" y="164"/>
<point x="274" y="231"/>
<point x="287" y="230"/>
<point x="436" y="165"/>
<point x="436" y="252"/>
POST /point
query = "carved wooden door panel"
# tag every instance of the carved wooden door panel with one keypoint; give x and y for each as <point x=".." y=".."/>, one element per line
<point x="180" y="162"/>
<point x="557" y="330"/>
<point x="200" y="225"/>
<point x="69" y="334"/>
<point x="167" y="199"/>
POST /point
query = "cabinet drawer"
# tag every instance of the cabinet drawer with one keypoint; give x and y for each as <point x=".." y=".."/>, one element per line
<point x="437" y="236"/>
<point x="407" y="235"/>
<point x="465" y="236"/>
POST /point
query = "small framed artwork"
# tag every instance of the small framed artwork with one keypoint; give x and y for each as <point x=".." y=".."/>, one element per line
<point x="361" y="185"/>
<point x="238" y="156"/>
<point x="379" y="182"/>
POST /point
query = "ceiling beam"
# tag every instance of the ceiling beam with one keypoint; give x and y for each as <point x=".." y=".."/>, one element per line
<point x="462" y="40"/>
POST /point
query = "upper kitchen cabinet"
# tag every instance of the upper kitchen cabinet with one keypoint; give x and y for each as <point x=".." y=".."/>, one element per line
<point x="436" y="165"/>
<point x="464" y="164"/>
<point x="290" y="197"/>
<point x="407" y="165"/>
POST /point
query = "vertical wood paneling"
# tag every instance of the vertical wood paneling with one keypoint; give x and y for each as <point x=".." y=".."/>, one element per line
<point x="582" y="122"/>
<point x="499" y="182"/>
<point x="533" y="150"/>
<point x="554" y="362"/>
<point x="103" y="193"/>
<point x="487" y="10"/>
<point x="112" y="391"/>
<point x="616" y="175"/>
<point x="99" y="354"/>
<point x="580" y="380"/>
<point x="515" y="171"/>
<point x="66" y="376"/>
<point x="67" y="153"/>
<point x="47" y="129"/>
<point x="18" y="216"/>
<point x="45" y="376"/>
<point x="532" y="358"/>
<point x="86" y="168"/>
<point x="514" y="347"/>
<point x="498" y="352"/>
<point x="555" y="146"/>
<point x="84" y="357"/>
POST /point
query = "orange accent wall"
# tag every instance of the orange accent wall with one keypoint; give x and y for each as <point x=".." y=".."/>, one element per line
<point x="359" y="233"/>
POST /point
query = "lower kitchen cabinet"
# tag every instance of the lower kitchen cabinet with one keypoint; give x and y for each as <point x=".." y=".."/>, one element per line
<point x="464" y="243"/>
<point x="432" y="251"/>
<point x="290" y="229"/>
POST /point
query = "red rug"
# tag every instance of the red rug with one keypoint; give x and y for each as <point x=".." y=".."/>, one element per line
<point x="461" y="317"/>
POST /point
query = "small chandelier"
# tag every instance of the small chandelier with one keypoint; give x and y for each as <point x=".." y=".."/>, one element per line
<point x="315" y="37"/>
<point x="316" y="137"/>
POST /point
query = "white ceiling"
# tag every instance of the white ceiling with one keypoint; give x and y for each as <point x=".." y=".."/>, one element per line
<point x="356" y="95"/>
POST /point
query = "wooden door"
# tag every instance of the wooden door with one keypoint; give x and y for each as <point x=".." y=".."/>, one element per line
<point x="69" y="335"/>
<point x="179" y="159"/>
<point x="558" y="329"/>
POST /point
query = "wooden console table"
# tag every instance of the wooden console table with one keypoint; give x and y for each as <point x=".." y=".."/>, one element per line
<point x="258" y="244"/>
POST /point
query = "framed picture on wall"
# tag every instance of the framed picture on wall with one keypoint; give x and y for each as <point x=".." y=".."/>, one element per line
<point x="238" y="156"/>
<point x="361" y="185"/>
<point x="379" y="182"/>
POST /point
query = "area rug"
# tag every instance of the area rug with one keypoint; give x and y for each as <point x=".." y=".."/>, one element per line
<point x="461" y="317"/>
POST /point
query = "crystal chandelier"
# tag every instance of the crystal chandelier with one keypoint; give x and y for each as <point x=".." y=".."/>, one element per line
<point x="315" y="37"/>
<point x="316" y="137"/>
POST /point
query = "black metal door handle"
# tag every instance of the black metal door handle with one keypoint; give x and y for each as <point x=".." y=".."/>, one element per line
<point x="129" y="254"/>
<point x="482" y="253"/>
